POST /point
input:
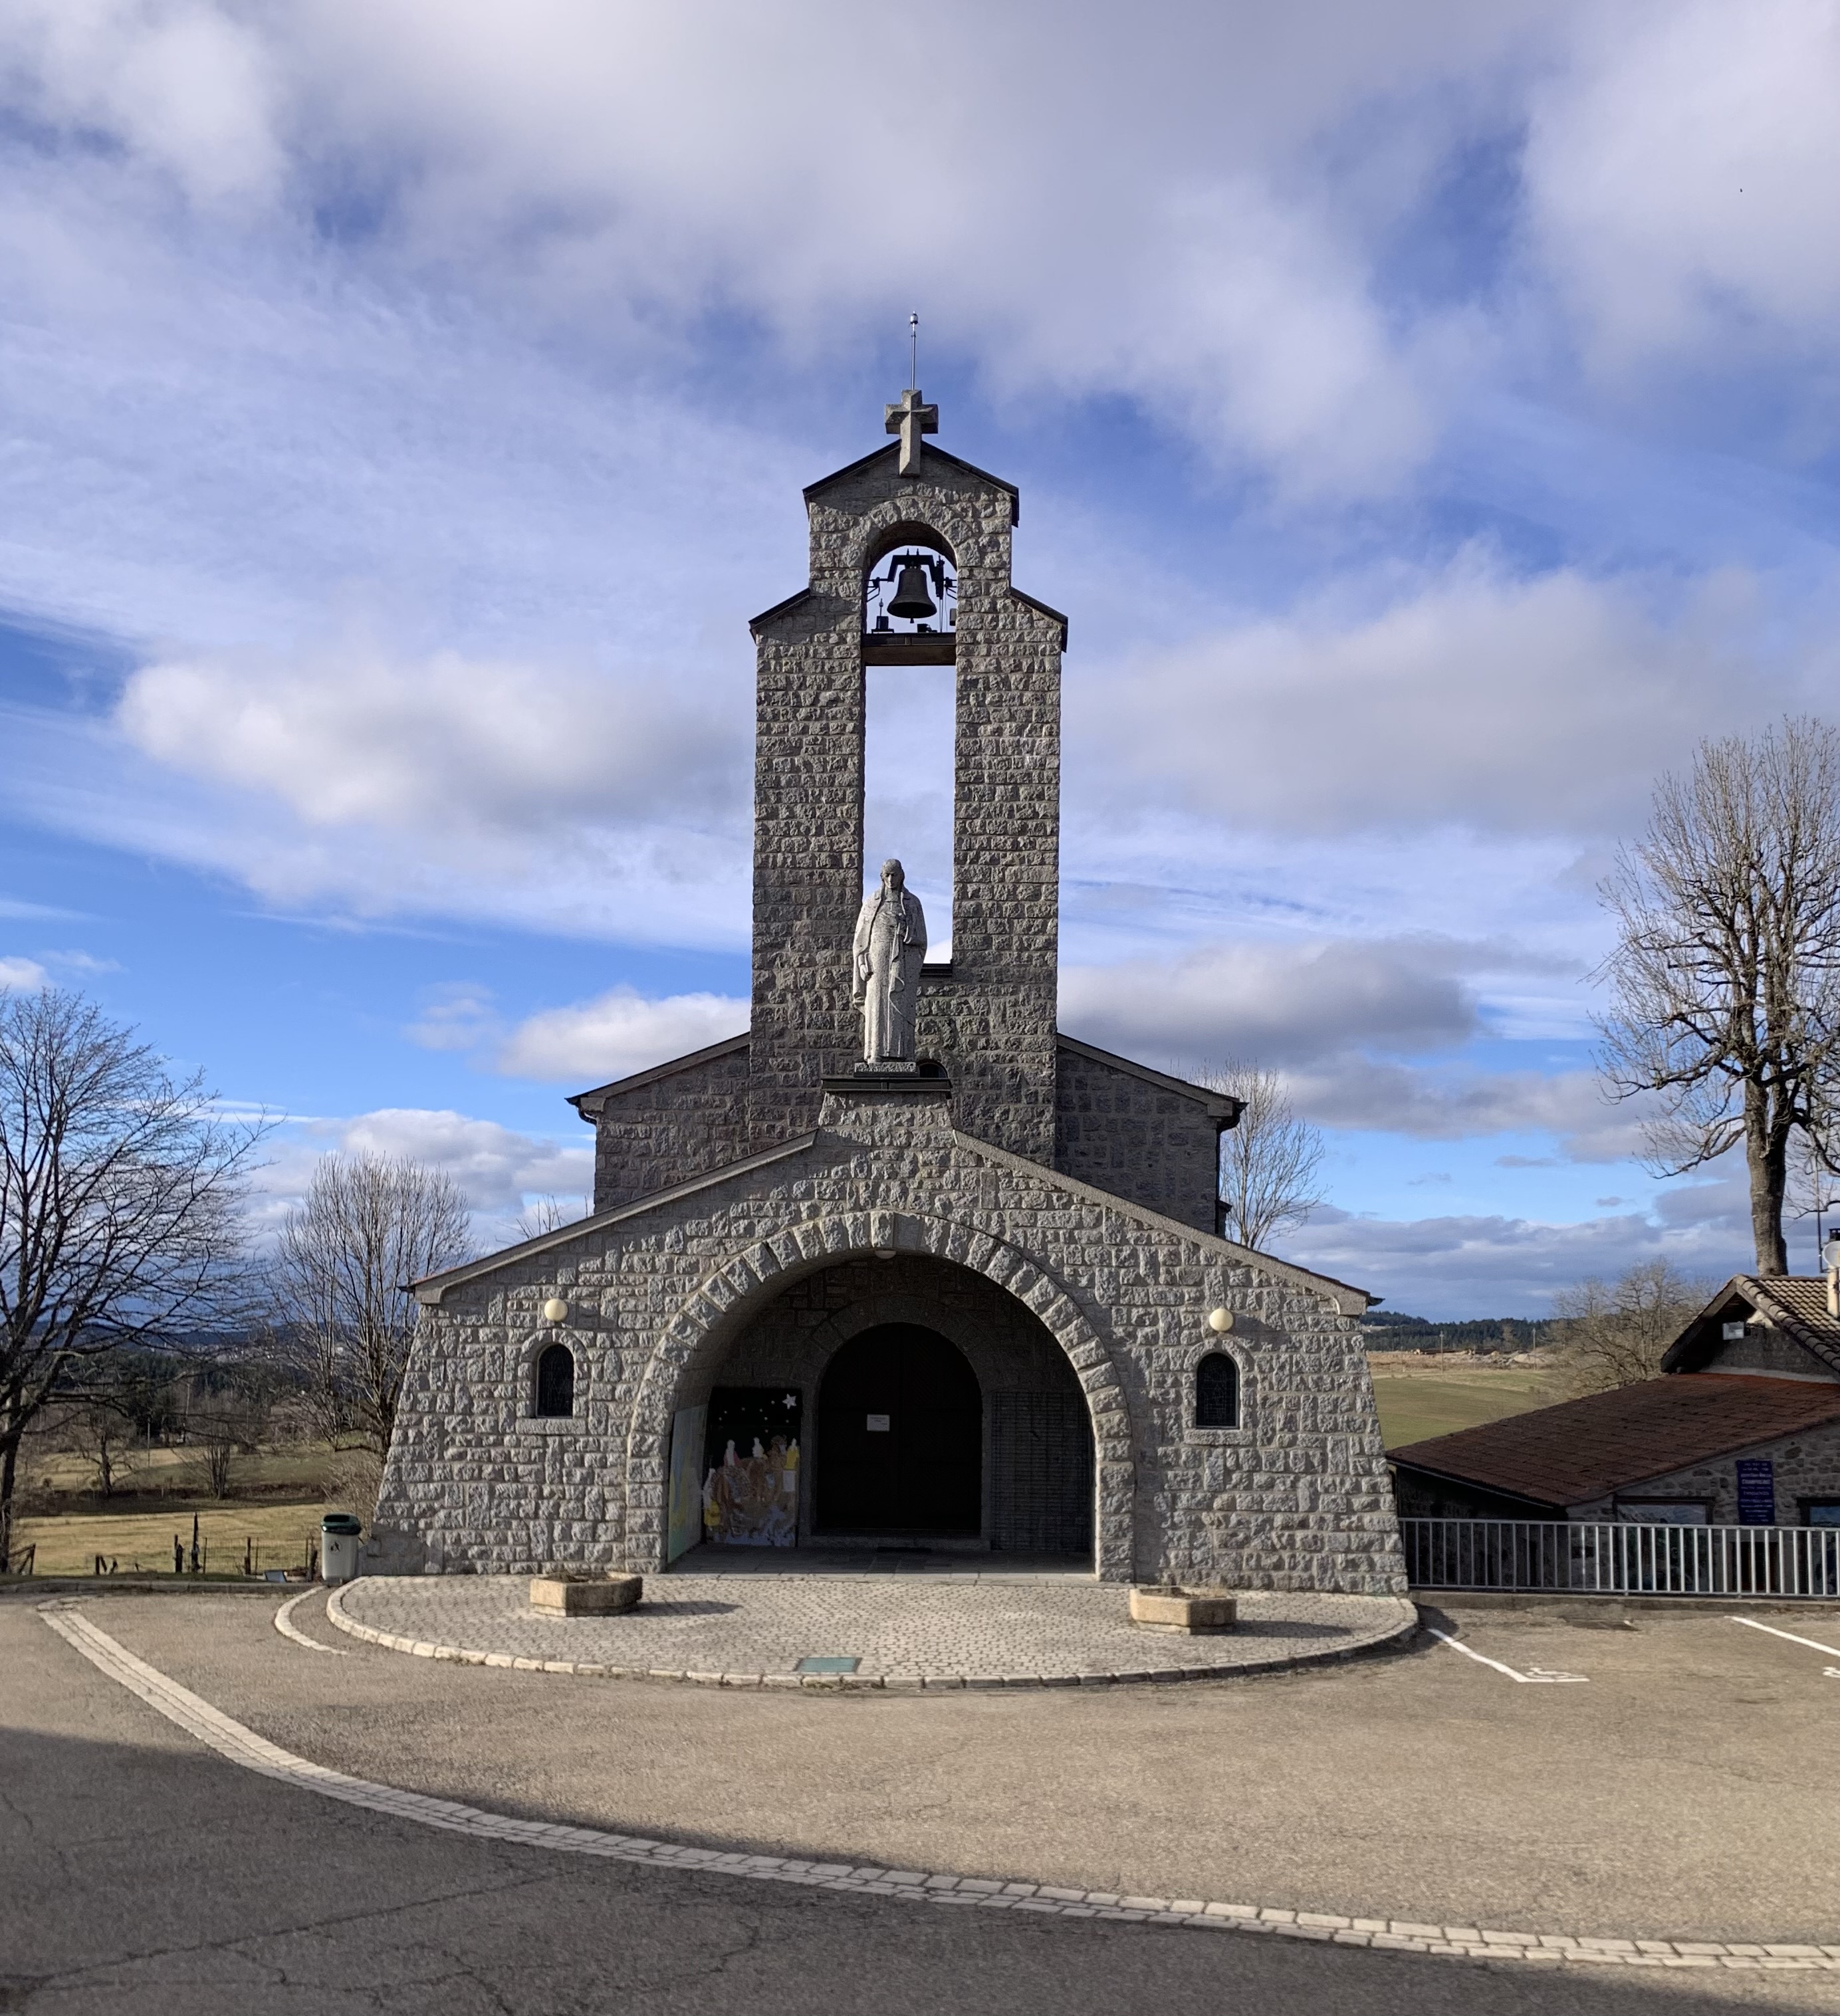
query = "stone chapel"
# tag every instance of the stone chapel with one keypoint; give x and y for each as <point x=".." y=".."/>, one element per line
<point x="956" y="1285"/>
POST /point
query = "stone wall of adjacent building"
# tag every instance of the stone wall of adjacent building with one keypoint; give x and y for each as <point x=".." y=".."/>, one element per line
<point x="1296" y="1497"/>
<point x="1764" y="1348"/>
<point x="1123" y="1133"/>
<point x="1806" y="1465"/>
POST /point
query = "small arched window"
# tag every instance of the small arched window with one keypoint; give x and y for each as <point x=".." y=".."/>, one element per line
<point x="556" y="1382"/>
<point x="1217" y="1392"/>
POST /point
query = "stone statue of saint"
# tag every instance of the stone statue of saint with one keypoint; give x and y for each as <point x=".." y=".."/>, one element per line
<point x="885" y="957"/>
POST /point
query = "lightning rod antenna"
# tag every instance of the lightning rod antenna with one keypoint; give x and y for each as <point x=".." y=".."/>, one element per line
<point x="914" y="353"/>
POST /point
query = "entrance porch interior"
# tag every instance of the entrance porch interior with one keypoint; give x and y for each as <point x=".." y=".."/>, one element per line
<point x="900" y="1416"/>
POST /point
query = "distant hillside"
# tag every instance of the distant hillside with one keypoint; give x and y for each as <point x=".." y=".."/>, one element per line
<point x="1392" y="1330"/>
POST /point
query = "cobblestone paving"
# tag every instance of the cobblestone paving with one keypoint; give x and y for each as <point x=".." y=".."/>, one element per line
<point x="936" y="1630"/>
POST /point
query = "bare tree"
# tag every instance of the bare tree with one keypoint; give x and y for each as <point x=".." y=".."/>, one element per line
<point x="1615" y="1332"/>
<point x="1269" y="1162"/>
<point x="369" y="1225"/>
<point x="1813" y="1189"/>
<point x="550" y="1214"/>
<point x="1727" y="972"/>
<point x="99" y="1433"/>
<point x="224" y="1419"/>
<point x="120" y="1207"/>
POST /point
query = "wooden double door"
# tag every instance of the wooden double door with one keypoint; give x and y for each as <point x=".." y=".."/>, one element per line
<point x="900" y="1437"/>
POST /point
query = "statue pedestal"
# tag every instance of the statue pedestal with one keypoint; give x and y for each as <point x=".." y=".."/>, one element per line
<point x="889" y="1068"/>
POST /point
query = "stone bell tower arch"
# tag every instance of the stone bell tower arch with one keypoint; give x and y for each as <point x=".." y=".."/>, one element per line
<point x="988" y="1018"/>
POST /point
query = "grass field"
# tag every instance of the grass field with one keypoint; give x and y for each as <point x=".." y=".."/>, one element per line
<point x="295" y="1469"/>
<point x="1415" y="1402"/>
<point x="143" y="1537"/>
<point x="279" y="1499"/>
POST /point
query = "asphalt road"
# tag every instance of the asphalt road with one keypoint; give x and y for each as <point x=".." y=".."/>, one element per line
<point x="1685" y="1790"/>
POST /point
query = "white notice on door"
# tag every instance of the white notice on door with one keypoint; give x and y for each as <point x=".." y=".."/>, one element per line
<point x="878" y="1424"/>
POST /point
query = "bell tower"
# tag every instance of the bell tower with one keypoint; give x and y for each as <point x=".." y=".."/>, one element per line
<point x="906" y="527"/>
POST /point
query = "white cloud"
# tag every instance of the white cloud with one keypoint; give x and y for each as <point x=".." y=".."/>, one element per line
<point x="1485" y="1265"/>
<point x="1461" y="1103"/>
<point x="456" y="1015"/>
<point x="362" y="739"/>
<point x="26" y="975"/>
<point x="1278" y="1003"/>
<point x="183" y="85"/>
<point x="617" y="1033"/>
<point x="647" y="881"/>
<point x="498" y="1169"/>
<point x="1683" y="172"/>
<point x="644" y="170"/>
<point x="1474" y="699"/>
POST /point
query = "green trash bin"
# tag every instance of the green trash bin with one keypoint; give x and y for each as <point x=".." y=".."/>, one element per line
<point x="339" y="1534"/>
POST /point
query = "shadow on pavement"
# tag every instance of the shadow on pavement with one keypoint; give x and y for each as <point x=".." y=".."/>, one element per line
<point x="158" y="1878"/>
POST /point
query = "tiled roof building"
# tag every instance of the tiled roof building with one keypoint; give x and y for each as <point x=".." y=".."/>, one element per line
<point x="1753" y="1379"/>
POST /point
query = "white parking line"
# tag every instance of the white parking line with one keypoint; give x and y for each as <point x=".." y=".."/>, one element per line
<point x="1813" y="1644"/>
<point x="284" y="1624"/>
<point x="1534" y="1676"/>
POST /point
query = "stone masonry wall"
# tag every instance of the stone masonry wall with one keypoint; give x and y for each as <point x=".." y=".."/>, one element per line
<point x="1122" y="1134"/>
<point x="1297" y="1497"/>
<point x="993" y="1024"/>
<point x="671" y="1128"/>
<point x="1807" y="1466"/>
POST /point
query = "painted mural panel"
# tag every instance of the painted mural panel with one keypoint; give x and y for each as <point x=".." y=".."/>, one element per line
<point x="689" y="1430"/>
<point x="751" y="1467"/>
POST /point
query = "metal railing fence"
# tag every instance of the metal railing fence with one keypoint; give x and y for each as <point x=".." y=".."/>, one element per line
<point x="1621" y="1560"/>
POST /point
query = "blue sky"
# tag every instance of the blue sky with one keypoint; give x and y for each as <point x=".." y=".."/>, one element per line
<point x="1425" y="414"/>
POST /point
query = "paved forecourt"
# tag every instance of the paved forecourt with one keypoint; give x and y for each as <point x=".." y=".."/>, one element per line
<point x="936" y="1631"/>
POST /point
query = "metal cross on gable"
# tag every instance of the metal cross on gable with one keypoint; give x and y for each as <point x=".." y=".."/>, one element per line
<point x="910" y="417"/>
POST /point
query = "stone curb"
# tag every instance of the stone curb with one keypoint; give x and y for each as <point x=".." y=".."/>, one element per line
<point x="465" y="1655"/>
<point x="242" y="1746"/>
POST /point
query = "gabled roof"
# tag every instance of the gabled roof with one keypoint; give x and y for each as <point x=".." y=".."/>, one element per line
<point x="1041" y="609"/>
<point x="431" y="1287"/>
<point x="779" y="609"/>
<point x="1796" y="1304"/>
<point x="1582" y="1449"/>
<point x="1345" y="1299"/>
<point x="892" y="453"/>
<point x="588" y="1103"/>
<point x="1220" y="1106"/>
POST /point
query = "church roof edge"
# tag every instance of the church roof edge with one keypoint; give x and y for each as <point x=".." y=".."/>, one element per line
<point x="1221" y="1105"/>
<point x="1041" y="608"/>
<point x="429" y="1290"/>
<point x="893" y="451"/>
<point x="635" y="1081"/>
<point x="779" y="609"/>
<point x="1347" y="1299"/>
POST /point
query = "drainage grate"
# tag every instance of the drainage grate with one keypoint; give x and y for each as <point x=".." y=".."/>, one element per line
<point x="829" y="1662"/>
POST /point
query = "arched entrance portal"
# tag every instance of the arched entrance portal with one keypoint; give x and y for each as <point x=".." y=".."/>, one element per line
<point x="901" y="1437"/>
<point x="990" y="1444"/>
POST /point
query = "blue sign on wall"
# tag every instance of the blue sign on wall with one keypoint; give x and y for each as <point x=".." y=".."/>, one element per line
<point x="1756" y="1491"/>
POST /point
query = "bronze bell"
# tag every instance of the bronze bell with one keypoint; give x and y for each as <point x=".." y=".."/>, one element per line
<point x="911" y="599"/>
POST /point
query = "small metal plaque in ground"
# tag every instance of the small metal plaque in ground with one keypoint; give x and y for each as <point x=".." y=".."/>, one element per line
<point x="828" y="1662"/>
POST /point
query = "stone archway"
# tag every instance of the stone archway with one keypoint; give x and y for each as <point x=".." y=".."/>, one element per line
<point x="695" y="1338"/>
